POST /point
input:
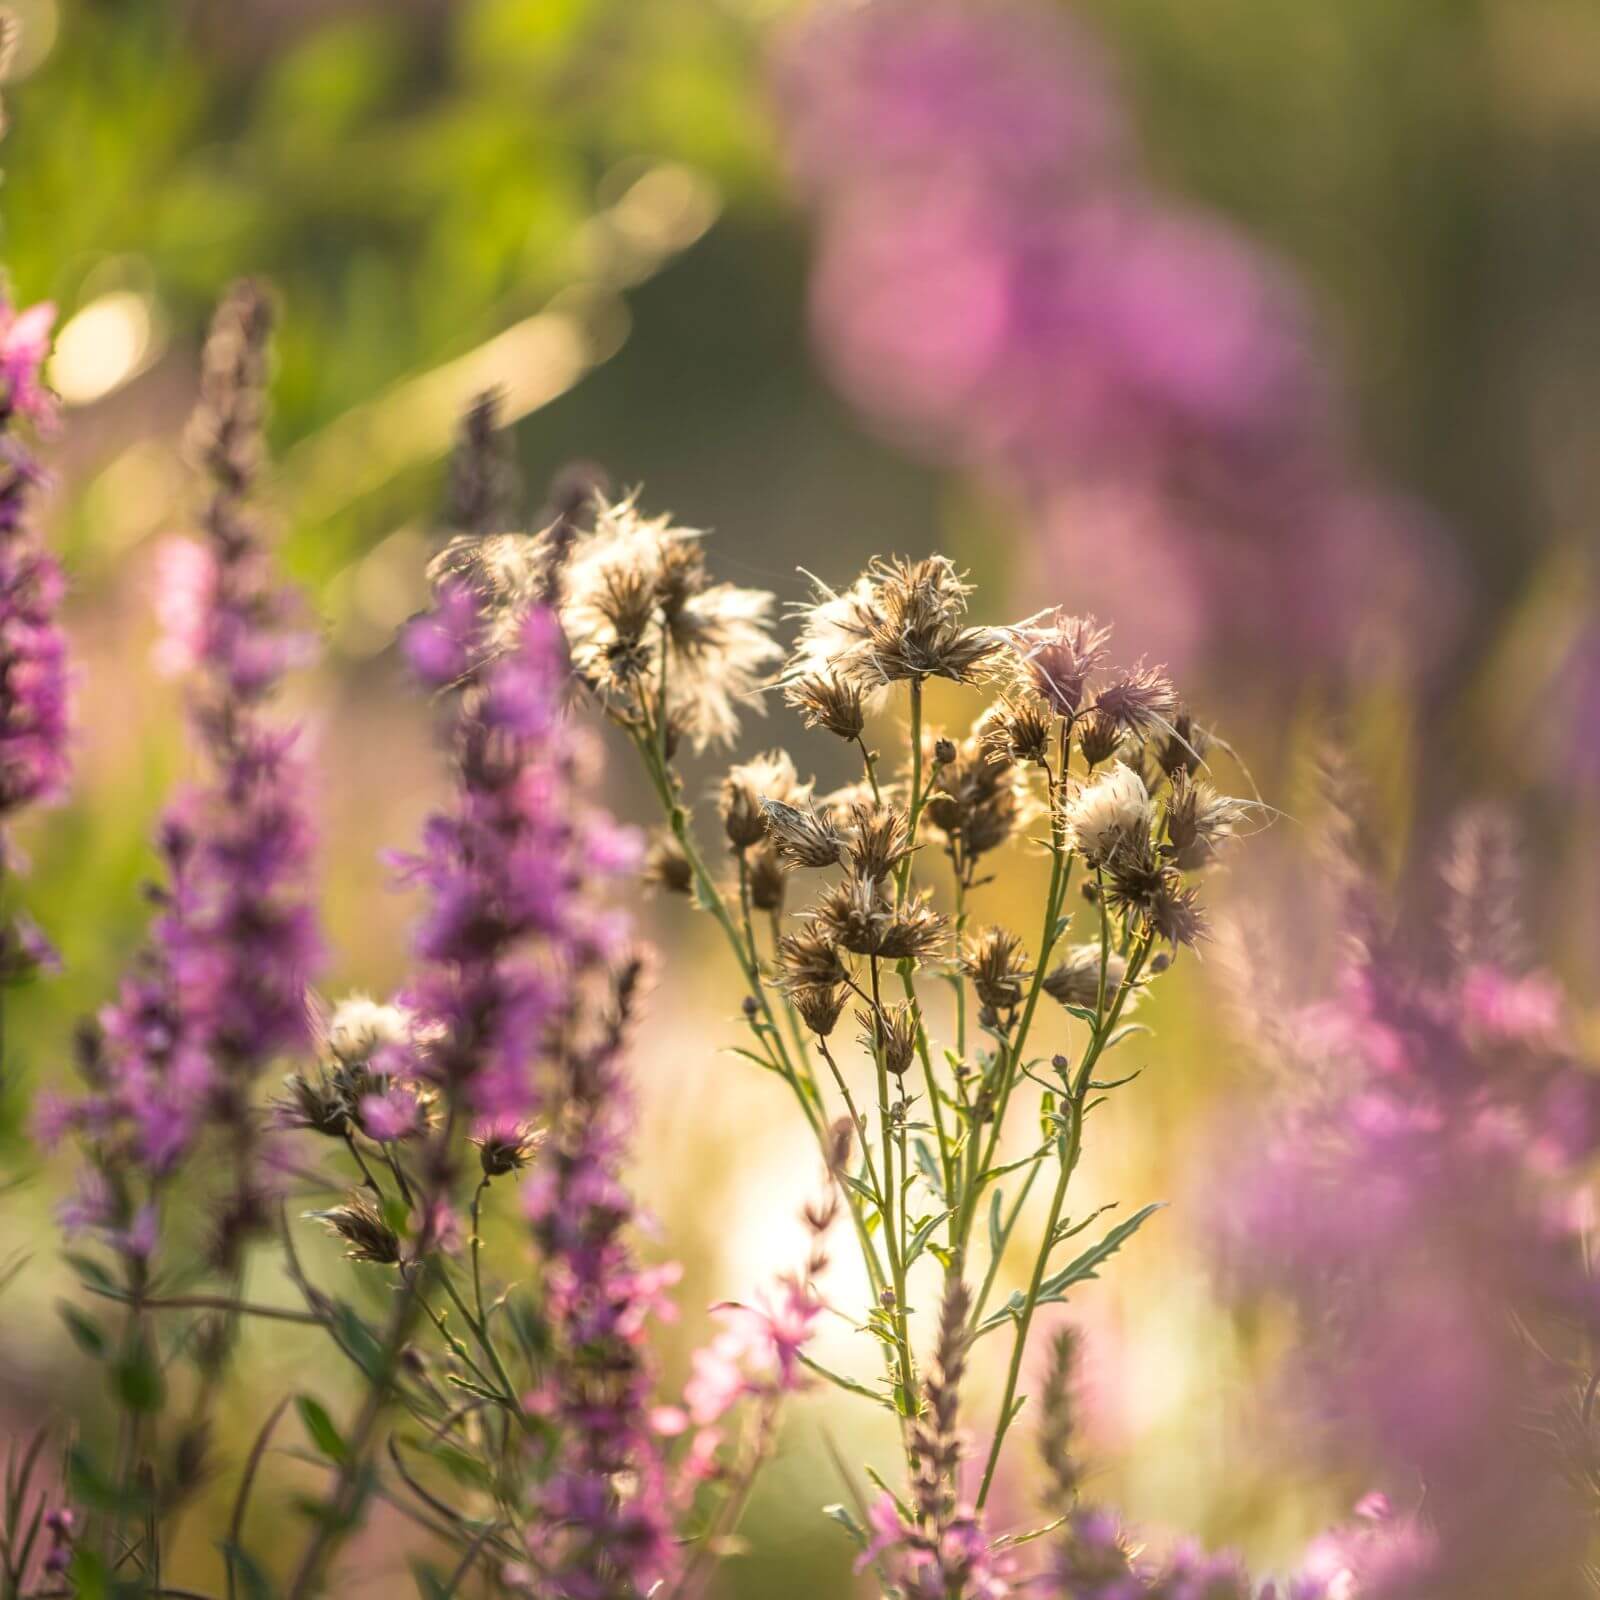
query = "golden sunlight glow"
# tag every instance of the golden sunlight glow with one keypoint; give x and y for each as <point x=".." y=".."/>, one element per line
<point x="102" y="347"/>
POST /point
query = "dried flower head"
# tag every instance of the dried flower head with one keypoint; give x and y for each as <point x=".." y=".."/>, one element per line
<point x="635" y="597"/>
<point x="505" y="1145"/>
<point x="859" y="914"/>
<point x="1200" y="820"/>
<point x="1075" y="981"/>
<point x="899" y="620"/>
<point x="1099" y="735"/>
<point x="364" y="1228"/>
<point x="801" y="836"/>
<point x="1138" y="699"/>
<point x="1017" y="727"/>
<point x="1108" y="811"/>
<point x="666" y="865"/>
<point x="997" y="964"/>
<point x="810" y="959"/>
<point x="825" y="701"/>
<point x="1144" y="887"/>
<point x="878" y="839"/>
<point x="890" y="1032"/>
<point x="1057" y="654"/>
<point x="316" y="1104"/>
<point x="747" y="786"/>
<point x="1184" y="747"/>
<point x="977" y="798"/>
<point x="361" y="1026"/>
<point x="768" y="878"/>
<point x="819" y="1007"/>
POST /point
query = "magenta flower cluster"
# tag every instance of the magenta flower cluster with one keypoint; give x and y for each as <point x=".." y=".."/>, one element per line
<point x="34" y="756"/>
<point x="1423" y="1208"/>
<point x="996" y="284"/>
<point x="219" y="992"/>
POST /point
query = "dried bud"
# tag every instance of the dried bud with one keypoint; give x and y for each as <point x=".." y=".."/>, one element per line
<point x="666" y="866"/>
<point x="1185" y="746"/>
<point x="823" y="701"/>
<point x="1076" y="981"/>
<point x="1199" y="821"/>
<point x="819" y="1007"/>
<point x="879" y="839"/>
<point x="810" y="959"/>
<point x="801" y="837"/>
<point x="944" y="752"/>
<point x="314" y="1104"/>
<point x="890" y="1031"/>
<point x="505" y="1146"/>
<point x="739" y="800"/>
<point x="364" y="1228"/>
<point x="768" y="880"/>
<point x="1098" y="737"/>
<point x="993" y="958"/>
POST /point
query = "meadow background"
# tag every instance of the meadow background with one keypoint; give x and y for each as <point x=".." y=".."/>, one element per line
<point x="587" y="204"/>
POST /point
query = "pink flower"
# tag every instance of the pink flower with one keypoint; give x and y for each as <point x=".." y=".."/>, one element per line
<point x="24" y="345"/>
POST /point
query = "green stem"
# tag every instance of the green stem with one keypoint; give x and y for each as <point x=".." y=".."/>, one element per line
<point x="1069" y="1161"/>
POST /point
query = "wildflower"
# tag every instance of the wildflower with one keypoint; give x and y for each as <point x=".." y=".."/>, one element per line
<point x="810" y="959"/>
<point x="1099" y="736"/>
<point x="636" y="598"/>
<point x="24" y="346"/>
<point x="505" y="1145"/>
<point x="995" y="961"/>
<point x="900" y="620"/>
<point x="360" y="1027"/>
<point x="890" y="1032"/>
<point x="802" y="837"/>
<point x="747" y="786"/>
<point x="878" y="840"/>
<point x="1107" y="812"/>
<point x="1075" y="981"/>
<point x="364" y="1228"/>
<point x="1058" y="657"/>
<point x="825" y="701"/>
<point x="819" y="1006"/>
<point x="667" y="866"/>
<point x="1016" y="728"/>
<point x="220" y="990"/>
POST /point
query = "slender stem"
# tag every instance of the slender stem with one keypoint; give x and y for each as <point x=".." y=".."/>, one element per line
<point x="1069" y="1161"/>
<point x="334" y="1523"/>
<point x="477" y="1246"/>
<point x="893" y="1240"/>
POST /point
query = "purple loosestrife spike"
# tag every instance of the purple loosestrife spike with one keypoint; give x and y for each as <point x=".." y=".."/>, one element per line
<point x="33" y="659"/>
<point x="998" y="286"/>
<point x="219" y="991"/>
<point x="1453" y="1121"/>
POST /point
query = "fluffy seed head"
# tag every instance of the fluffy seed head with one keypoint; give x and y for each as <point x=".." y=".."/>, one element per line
<point x="746" y="786"/>
<point x="1108" y="811"/>
<point x="825" y="701"/>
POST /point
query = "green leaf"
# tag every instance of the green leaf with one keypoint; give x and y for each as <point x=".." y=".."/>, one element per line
<point x="1081" y="1269"/>
<point x="246" y="1570"/>
<point x="89" y="1270"/>
<point x="429" y="1584"/>
<point x="85" y="1330"/>
<point x="1127" y="1029"/>
<point x="841" y="1515"/>
<point x="924" y="1232"/>
<point x="866" y="1193"/>
<point x="928" y="1165"/>
<point x="850" y="1385"/>
<point x="878" y="1483"/>
<point x="997" y="1241"/>
<point x="136" y="1377"/>
<point x="1009" y="1541"/>
<point x="750" y="1055"/>
<point x="320" y="1428"/>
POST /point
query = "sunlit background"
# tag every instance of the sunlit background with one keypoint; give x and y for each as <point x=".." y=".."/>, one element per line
<point x="665" y="233"/>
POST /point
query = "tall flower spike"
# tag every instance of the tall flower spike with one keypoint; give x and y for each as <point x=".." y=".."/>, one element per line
<point x="33" y="656"/>
<point x="220" y="990"/>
